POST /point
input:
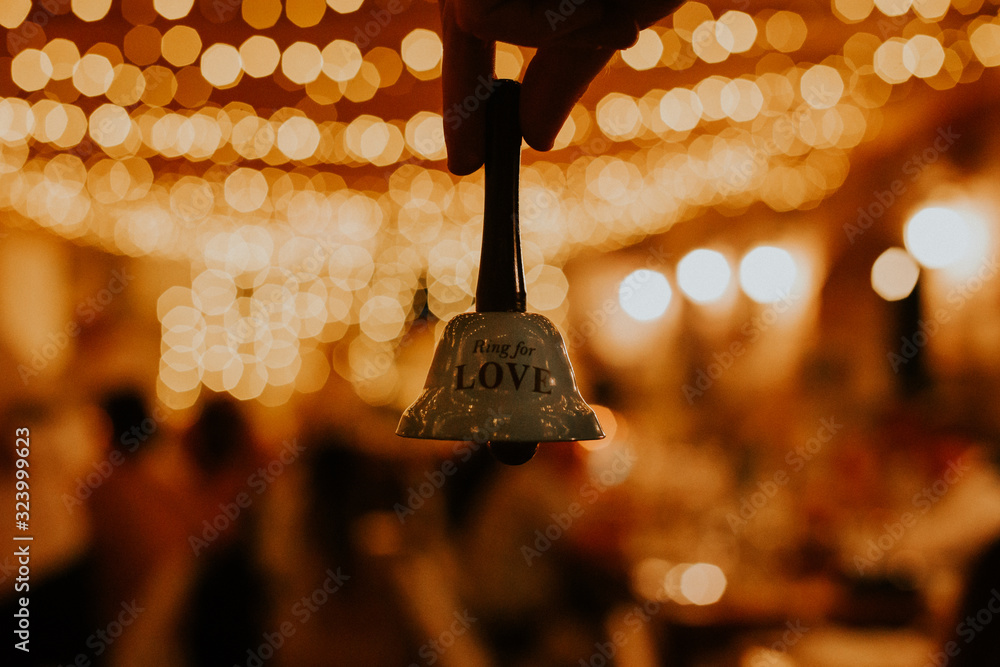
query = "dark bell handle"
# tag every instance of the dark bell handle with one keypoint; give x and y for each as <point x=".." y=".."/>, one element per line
<point x="501" y="273"/>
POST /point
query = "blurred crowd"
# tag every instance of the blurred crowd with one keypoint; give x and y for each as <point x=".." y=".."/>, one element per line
<point x="205" y="542"/>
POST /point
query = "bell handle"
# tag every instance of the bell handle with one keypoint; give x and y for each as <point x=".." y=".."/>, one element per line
<point x="501" y="272"/>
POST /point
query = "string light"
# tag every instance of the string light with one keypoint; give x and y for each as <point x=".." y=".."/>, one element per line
<point x="365" y="250"/>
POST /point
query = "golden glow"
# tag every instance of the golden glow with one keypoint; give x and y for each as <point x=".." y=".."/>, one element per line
<point x="853" y="11"/>
<point x="710" y="93"/>
<point x="341" y="60"/>
<point x="142" y="45"/>
<point x="767" y="274"/>
<point x="786" y="31"/>
<point x="703" y="275"/>
<point x="387" y="62"/>
<point x="31" y="69"/>
<point x="923" y="56"/>
<point x="741" y="100"/>
<point x="90" y="10"/>
<point x="245" y="189"/>
<point x="688" y="17"/>
<point x="421" y="50"/>
<point x="893" y="7"/>
<point x="127" y="86"/>
<point x="260" y="56"/>
<point x="298" y="138"/>
<point x="712" y="42"/>
<point x="894" y="274"/>
<point x="681" y="109"/>
<point x="221" y="65"/>
<point x="741" y="28"/>
<point x="931" y="10"/>
<point x="63" y="55"/>
<point x="703" y="583"/>
<point x="13" y="12"/>
<point x="985" y="41"/>
<point x="181" y="45"/>
<point x="821" y="86"/>
<point x="889" y="63"/>
<point x="344" y="6"/>
<point x="261" y="14"/>
<point x="425" y="135"/>
<point x="305" y="13"/>
<point x="110" y="125"/>
<point x="938" y="236"/>
<point x="509" y="61"/>
<point x="302" y="62"/>
<point x="618" y="116"/>
<point x="644" y="295"/>
<point x="276" y="202"/>
<point x="93" y="75"/>
<point x="161" y="84"/>
<point x="644" y="54"/>
<point x="173" y="10"/>
<point x="364" y="85"/>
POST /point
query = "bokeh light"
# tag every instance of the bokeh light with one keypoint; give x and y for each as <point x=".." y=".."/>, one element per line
<point x="703" y="275"/>
<point x="703" y="583"/>
<point x="221" y="65"/>
<point x="894" y="274"/>
<point x="421" y="50"/>
<point x="938" y="236"/>
<point x="768" y="274"/>
<point x="644" y="294"/>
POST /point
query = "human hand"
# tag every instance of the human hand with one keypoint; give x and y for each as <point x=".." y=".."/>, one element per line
<point x="575" y="40"/>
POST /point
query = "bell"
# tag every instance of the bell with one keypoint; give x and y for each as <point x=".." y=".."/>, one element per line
<point x="501" y="375"/>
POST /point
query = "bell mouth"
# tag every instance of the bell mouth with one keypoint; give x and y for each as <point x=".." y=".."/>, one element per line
<point x="501" y="377"/>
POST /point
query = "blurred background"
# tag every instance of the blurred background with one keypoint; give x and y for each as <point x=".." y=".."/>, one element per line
<point x="768" y="235"/>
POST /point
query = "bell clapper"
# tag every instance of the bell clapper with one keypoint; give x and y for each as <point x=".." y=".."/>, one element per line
<point x="513" y="453"/>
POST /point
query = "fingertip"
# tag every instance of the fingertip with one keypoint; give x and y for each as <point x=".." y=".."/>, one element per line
<point x="465" y="163"/>
<point x="555" y="80"/>
<point x="539" y="133"/>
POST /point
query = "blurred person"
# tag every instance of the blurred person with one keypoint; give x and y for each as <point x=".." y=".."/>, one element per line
<point x="336" y="575"/>
<point x="538" y="553"/>
<point x="976" y="638"/>
<point x="141" y="520"/>
<point x="226" y="607"/>
<point x="575" y="40"/>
